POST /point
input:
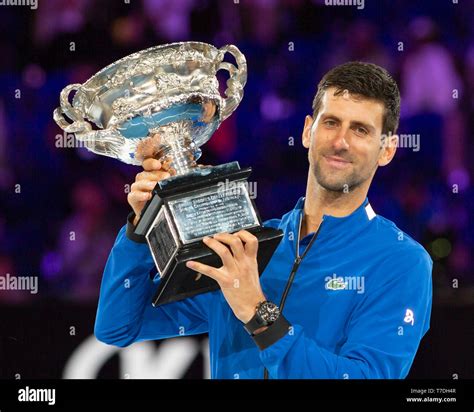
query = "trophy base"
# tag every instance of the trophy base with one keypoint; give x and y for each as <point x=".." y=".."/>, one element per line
<point x="184" y="209"/>
<point x="182" y="282"/>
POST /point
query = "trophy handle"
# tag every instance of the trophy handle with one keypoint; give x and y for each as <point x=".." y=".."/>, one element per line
<point x="103" y="142"/>
<point x="236" y="81"/>
<point x="78" y="125"/>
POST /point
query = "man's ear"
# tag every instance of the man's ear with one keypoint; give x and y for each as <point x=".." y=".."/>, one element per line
<point x="389" y="148"/>
<point x="308" y="123"/>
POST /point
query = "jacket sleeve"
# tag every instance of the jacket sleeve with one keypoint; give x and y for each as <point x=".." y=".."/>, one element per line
<point x="125" y="314"/>
<point x="383" y="333"/>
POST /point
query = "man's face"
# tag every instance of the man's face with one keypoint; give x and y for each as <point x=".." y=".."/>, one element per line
<point x="345" y="141"/>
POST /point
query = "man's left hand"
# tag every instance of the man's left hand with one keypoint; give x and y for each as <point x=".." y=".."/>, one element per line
<point x="238" y="277"/>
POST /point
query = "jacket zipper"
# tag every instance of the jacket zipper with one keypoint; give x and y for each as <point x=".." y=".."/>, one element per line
<point x="294" y="269"/>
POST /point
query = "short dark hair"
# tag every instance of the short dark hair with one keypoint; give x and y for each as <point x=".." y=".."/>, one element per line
<point x="368" y="81"/>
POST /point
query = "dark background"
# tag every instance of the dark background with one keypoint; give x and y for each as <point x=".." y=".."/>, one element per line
<point x="428" y="47"/>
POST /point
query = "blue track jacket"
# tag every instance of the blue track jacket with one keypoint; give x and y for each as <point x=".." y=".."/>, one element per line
<point x="358" y="307"/>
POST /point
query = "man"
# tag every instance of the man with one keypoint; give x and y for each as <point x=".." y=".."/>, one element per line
<point x="346" y="294"/>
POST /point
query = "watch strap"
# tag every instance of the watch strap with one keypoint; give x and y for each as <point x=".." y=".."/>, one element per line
<point x="254" y="324"/>
<point x="273" y="333"/>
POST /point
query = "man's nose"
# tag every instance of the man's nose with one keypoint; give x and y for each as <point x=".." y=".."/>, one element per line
<point x="341" y="139"/>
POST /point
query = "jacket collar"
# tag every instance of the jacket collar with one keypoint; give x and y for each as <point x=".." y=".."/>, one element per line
<point x="356" y="220"/>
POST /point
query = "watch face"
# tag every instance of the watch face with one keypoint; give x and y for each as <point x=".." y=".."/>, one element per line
<point x="268" y="312"/>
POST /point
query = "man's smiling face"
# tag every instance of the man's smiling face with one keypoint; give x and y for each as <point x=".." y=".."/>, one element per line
<point x="344" y="141"/>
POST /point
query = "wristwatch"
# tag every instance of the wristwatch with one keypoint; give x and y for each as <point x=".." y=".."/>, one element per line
<point x="266" y="313"/>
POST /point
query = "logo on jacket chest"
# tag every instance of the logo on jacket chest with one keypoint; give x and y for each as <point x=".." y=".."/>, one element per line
<point x="335" y="282"/>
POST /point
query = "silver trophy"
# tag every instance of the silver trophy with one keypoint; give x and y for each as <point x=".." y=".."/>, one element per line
<point x="164" y="102"/>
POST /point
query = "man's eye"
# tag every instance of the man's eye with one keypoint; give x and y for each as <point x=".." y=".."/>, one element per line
<point x="361" y="130"/>
<point x="330" y="123"/>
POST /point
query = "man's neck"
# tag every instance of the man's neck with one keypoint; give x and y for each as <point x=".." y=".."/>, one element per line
<point x="319" y="202"/>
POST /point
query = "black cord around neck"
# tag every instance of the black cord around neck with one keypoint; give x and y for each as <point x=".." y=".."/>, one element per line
<point x="295" y="267"/>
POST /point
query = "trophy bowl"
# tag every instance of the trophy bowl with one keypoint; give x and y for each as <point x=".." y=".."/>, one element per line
<point x="168" y="90"/>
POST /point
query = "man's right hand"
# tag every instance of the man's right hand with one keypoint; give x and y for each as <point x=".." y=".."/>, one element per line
<point x="140" y="191"/>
